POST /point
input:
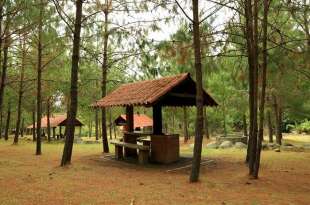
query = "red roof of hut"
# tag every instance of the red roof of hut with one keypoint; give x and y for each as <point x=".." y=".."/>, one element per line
<point x="140" y="120"/>
<point x="178" y="90"/>
<point x="55" y="121"/>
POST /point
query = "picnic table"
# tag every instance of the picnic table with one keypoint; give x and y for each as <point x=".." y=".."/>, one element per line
<point x="160" y="148"/>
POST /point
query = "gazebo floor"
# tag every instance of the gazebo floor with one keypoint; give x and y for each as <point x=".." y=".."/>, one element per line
<point x="184" y="163"/>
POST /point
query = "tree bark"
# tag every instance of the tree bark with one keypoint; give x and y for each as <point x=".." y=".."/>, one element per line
<point x="104" y="80"/>
<point x="20" y="93"/>
<point x="7" y="126"/>
<point x="67" y="152"/>
<point x="1" y="19"/>
<point x="34" y="123"/>
<point x="54" y="132"/>
<point x="255" y="91"/>
<point x="263" y="92"/>
<point x="22" y="128"/>
<point x="270" y="128"/>
<point x="96" y="125"/>
<point x="48" y="120"/>
<point x="194" y="176"/>
<point x="100" y="125"/>
<point x="5" y="59"/>
<point x="277" y="112"/>
<point x="224" y="119"/>
<point x="1" y="123"/>
<point x="206" y="124"/>
<point x="173" y="120"/>
<point x="280" y="124"/>
<point x="245" y="126"/>
<point x="251" y="32"/>
<point x="185" y="125"/>
<point x="90" y="129"/>
<point x="39" y="76"/>
<point x="110" y="123"/>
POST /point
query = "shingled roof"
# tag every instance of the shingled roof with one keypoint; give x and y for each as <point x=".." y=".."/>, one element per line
<point x="55" y="121"/>
<point x="139" y="120"/>
<point x="178" y="90"/>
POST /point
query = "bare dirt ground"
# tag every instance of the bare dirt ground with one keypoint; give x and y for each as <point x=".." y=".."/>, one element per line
<point x="94" y="179"/>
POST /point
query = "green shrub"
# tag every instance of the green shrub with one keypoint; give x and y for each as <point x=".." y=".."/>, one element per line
<point x="303" y="127"/>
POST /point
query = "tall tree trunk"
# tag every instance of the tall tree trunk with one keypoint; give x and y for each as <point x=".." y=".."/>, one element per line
<point x="263" y="92"/>
<point x="280" y="126"/>
<point x="199" y="96"/>
<point x="277" y="112"/>
<point x="96" y="125"/>
<point x="206" y="124"/>
<point x="104" y="79"/>
<point x="173" y="120"/>
<point x="1" y="122"/>
<point x="5" y="59"/>
<point x="39" y="76"/>
<point x="270" y="128"/>
<point x="251" y="33"/>
<point x="224" y="120"/>
<point x="67" y="153"/>
<point x="245" y="126"/>
<point x="20" y="92"/>
<point x="185" y="125"/>
<point x="48" y="120"/>
<point x="22" y="128"/>
<point x="110" y="123"/>
<point x="1" y="19"/>
<point x="90" y="129"/>
<point x="114" y="130"/>
<point x="100" y="127"/>
<point x="54" y="132"/>
<point x="253" y="93"/>
<point x="34" y="123"/>
<point x="7" y="126"/>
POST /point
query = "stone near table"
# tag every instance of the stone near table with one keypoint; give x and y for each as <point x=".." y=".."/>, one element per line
<point x="212" y="145"/>
<point x="240" y="145"/>
<point x="226" y="144"/>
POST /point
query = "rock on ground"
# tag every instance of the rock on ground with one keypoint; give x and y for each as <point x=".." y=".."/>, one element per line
<point x="272" y="146"/>
<point x="226" y="144"/>
<point x="240" y="145"/>
<point x="265" y="145"/>
<point x="306" y="147"/>
<point x="212" y="145"/>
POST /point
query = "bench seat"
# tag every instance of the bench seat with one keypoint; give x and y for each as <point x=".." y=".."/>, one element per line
<point x="143" y="150"/>
<point x="130" y="145"/>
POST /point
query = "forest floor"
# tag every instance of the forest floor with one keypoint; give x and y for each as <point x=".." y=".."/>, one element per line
<point x="94" y="179"/>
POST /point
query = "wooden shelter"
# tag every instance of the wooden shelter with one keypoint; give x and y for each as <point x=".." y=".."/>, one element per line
<point x="179" y="90"/>
<point x="55" y="121"/>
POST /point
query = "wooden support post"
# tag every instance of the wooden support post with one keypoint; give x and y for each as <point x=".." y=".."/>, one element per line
<point x="129" y="118"/>
<point x="80" y="132"/>
<point x="157" y="120"/>
<point x="118" y="152"/>
<point x="54" y="132"/>
<point x="127" y="137"/>
<point x="60" y="135"/>
<point x="143" y="156"/>
<point x="114" y="130"/>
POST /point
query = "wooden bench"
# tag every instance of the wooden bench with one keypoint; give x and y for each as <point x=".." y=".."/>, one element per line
<point x="143" y="150"/>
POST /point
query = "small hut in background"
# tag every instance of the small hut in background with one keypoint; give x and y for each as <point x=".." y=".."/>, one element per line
<point x="141" y="122"/>
<point x="55" y="121"/>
